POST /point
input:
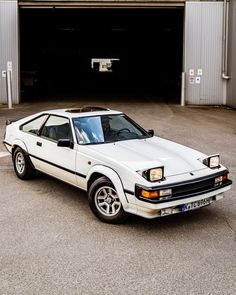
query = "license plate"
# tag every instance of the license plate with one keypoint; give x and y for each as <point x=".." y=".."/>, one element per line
<point x="195" y="205"/>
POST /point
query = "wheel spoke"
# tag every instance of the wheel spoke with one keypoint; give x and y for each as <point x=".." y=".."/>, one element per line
<point x="113" y="208"/>
<point x="104" y="192"/>
<point x="108" y="209"/>
<point x="20" y="163"/>
<point x="102" y="204"/>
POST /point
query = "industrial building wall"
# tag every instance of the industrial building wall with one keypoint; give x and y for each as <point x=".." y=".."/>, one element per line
<point x="9" y="49"/>
<point x="203" y="52"/>
<point x="101" y="3"/>
<point x="231" y="93"/>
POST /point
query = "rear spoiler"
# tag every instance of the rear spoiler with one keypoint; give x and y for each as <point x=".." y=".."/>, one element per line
<point x="9" y="121"/>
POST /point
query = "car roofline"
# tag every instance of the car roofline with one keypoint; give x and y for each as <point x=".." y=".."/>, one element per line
<point x="64" y="112"/>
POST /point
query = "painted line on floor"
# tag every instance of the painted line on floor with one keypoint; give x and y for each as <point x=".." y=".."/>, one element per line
<point x="4" y="154"/>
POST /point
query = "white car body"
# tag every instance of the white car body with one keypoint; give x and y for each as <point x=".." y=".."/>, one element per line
<point x="121" y="162"/>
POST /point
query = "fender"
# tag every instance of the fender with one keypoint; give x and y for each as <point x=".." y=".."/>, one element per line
<point x="115" y="179"/>
<point x="20" y="143"/>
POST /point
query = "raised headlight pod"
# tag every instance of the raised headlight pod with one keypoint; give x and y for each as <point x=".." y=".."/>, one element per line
<point x="212" y="161"/>
<point x="154" y="174"/>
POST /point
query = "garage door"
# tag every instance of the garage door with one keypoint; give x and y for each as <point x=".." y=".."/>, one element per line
<point x="74" y="50"/>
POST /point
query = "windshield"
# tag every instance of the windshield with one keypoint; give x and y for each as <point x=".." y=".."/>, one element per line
<point x="107" y="128"/>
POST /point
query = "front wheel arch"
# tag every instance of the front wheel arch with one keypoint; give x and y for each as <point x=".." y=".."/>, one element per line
<point x="98" y="171"/>
<point x="94" y="177"/>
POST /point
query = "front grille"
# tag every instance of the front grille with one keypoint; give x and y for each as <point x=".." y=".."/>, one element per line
<point x="193" y="187"/>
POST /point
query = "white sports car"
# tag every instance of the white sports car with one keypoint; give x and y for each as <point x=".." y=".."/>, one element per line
<point x="124" y="168"/>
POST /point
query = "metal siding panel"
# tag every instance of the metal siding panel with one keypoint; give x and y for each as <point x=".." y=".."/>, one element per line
<point x="211" y="53"/>
<point x="231" y="91"/>
<point x="9" y="49"/>
<point x="97" y="3"/>
<point x="192" y="48"/>
<point x="203" y="49"/>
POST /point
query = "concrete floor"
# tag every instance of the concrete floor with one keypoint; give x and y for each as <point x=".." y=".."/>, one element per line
<point x="50" y="242"/>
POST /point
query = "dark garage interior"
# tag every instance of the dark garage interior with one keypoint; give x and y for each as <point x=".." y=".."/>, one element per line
<point x="107" y="52"/>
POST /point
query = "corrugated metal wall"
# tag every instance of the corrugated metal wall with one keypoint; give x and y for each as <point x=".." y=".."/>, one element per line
<point x="9" y="49"/>
<point x="231" y="93"/>
<point x="102" y="3"/>
<point x="203" y="52"/>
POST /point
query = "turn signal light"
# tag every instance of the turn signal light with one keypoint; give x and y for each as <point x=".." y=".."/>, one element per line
<point x="224" y="177"/>
<point x="149" y="195"/>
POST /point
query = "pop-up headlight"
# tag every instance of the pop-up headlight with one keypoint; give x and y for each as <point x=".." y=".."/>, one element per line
<point x="212" y="161"/>
<point x="154" y="174"/>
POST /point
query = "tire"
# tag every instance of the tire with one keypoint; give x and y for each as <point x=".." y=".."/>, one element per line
<point x="105" y="203"/>
<point x="22" y="165"/>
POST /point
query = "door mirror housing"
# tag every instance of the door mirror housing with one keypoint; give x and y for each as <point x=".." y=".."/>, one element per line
<point x="150" y="132"/>
<point x="65" y="143"/>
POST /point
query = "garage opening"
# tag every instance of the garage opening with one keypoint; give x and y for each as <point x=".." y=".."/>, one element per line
<point x="77" y="52"/>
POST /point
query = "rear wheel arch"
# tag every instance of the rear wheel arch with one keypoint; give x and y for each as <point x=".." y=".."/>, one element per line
<point x="19" y="143"/>
<point x="23" y="166"/>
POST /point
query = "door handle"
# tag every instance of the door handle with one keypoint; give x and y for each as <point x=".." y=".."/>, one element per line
<point x="39" y="143"/>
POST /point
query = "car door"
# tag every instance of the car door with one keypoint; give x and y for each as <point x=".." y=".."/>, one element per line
<point x="57" y="161"/>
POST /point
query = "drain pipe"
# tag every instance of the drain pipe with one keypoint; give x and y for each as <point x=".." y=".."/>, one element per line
<point x="225" y="40"/>
<point x="9" y="88"/>
<point x="183" y="89"/>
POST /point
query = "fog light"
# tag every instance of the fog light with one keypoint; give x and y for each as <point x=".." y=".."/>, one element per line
<point x="166" y="211"/>
<point x="218" y="179"/>
<point x="221" y="178"/>
<point x="165" y="192"/>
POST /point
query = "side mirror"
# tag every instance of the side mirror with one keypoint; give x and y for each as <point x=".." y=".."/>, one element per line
<point x="65" y="143"/>
<point x="150" y="132"/>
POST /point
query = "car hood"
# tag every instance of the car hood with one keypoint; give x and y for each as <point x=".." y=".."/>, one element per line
<point x="152" y="152"/>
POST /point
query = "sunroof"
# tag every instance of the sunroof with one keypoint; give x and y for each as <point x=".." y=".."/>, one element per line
<point x="85" y="109"/>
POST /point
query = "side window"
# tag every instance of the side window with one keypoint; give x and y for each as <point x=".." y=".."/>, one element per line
<point x="57" y="128"/>
<point x="34" y="125"/>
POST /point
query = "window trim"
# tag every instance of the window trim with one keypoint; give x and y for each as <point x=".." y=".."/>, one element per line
<point x="120" y="114"/>
<point x="43" y="125"/>
<point x="35" y="134"/>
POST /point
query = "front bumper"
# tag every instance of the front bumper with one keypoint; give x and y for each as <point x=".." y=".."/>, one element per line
<point x="149" y="210"/>
<point x="201" y="191"/>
